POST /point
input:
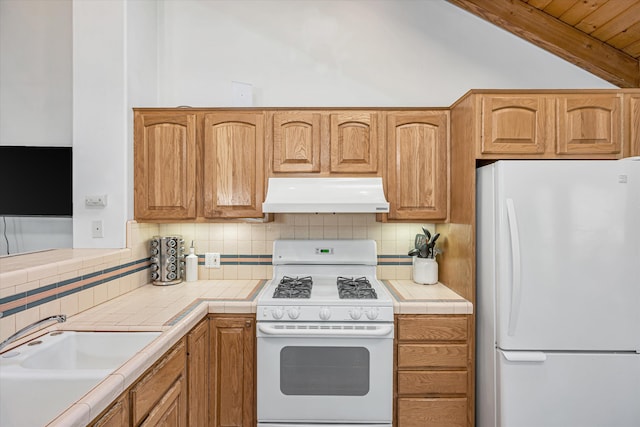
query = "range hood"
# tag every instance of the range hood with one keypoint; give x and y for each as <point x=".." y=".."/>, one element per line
<point x="325" y="195"/>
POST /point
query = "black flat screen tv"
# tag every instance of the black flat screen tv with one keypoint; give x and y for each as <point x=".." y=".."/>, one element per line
<point x="35" y="181"/>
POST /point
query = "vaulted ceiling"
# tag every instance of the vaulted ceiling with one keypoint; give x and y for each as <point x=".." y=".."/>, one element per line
<point x="601" y="36"/>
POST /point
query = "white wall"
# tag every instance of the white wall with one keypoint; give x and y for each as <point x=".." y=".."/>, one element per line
<point x="135" y="53"/>
<point x="114" y="67"/>
<point x="344" y="53"/>
<point x="35" y="103"/>
<point x="142" y="71"/>
<point x="35" y="72"/>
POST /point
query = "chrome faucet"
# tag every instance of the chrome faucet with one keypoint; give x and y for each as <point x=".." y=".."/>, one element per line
<point x="58" y="318"/>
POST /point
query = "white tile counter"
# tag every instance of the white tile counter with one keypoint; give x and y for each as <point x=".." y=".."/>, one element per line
<point x="174" y="310"/>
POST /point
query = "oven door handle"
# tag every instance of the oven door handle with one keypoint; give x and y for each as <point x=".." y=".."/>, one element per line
<point x="379" y="331"/>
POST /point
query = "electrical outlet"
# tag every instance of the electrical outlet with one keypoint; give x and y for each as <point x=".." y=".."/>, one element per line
<point x="96" y="229"/>
<point x="212" y="260"/>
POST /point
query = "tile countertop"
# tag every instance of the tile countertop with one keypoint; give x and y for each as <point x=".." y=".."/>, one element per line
<point x="175" y="310"/>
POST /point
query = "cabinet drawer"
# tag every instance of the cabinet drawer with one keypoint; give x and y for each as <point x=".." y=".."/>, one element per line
<point x="445" y="412"/>
<point x="432" y="355"/>
<point x="432" y="328"/>
<point x="155" y="384"/>
<point x="432" y="382"/>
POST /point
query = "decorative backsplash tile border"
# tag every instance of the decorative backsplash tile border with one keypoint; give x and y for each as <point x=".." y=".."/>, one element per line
<point x="267" y="259"/>
<point x="25" y="300"/>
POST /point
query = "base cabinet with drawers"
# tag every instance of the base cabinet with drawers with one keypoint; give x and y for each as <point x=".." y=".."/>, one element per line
<point x="434" y="371"/>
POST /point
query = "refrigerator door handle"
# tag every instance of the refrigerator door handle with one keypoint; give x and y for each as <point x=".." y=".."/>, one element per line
<point x="516" y="279"/>
<point x="524" y="356"/>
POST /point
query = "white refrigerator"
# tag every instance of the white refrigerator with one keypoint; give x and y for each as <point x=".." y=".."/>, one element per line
<point x="558" y="293"/>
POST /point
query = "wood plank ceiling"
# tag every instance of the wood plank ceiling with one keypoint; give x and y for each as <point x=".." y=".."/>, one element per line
<point x="601" y="36"/>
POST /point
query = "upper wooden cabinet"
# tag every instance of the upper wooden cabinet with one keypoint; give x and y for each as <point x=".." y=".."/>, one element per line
<point x="516" y="124"/>
<point x="233" y="171"/>
<point x="324" y="142"/>
<point x="296" y="141"/>
<point x="633" y="120"/>
<point x="547" y="125"/>
<point x="590" y="124"/>
<point x="417" y="165"/>
<point x="165" y="165"/>
<point x="354" y="142"/>
<point x="198" y="164"/>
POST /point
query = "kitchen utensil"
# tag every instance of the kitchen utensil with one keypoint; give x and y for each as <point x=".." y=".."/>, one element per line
<point x="426" y="233"/>
<point x="420" y="240"/>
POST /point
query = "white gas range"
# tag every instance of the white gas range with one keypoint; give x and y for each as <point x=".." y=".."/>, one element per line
<point x="325" y="337"/>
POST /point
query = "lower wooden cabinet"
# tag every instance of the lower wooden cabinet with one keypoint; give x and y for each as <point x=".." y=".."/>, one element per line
<point x="232" y="374"/>
<point x="198" y="374"/>
<point x="433" y="377"/>
<point x="432" y="412"/>
<point x="170" y="411"/>
<point x="160" y="397"/>
<point x="173" y="392"/>
<point x="117" y="415"/>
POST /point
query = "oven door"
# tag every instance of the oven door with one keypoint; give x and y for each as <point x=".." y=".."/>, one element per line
<point x="325" y="373"/>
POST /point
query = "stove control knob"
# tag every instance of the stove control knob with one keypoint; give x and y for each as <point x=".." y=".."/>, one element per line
<point x="294" y="313"/>
<point x="325" y="313"/>
<point x="277" y="313"/>
<point x="372" y="313"/>
<point x="355" y="313"/>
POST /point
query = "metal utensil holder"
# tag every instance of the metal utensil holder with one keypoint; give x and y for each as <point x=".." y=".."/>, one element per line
<point x="167" y="260"/>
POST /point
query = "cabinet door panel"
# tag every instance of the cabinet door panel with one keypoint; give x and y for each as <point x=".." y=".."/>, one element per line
<point x="198" y="374"/>
<point x="354" y="142"/>
<point x="149" y="390"/>
<point x="233" y="165"/>
<point x="417" y="187"/>
<point x="432" y="382"/>
<point x="432" y="355"/>
<point x="438" y="412"/>
<point x="165" y="165"/>
<point x="116" y="416"/>
<point x="634" y="125"/>
<point x="433" y="328"/>
<point x="589" y="125"/>
<point x="296" y="142"/>
<point x="232" y="367"/>
<point x="171" y="409"/>
<point x="516" y="124"/>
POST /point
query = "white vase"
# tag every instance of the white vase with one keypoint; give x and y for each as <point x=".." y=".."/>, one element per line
<point x="425" y="271"/>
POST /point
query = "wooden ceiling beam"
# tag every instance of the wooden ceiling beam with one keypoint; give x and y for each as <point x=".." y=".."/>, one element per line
<point x="561" y="39"/>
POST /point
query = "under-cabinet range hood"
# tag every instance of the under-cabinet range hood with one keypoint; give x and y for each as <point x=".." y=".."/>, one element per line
<point x="325" y="195"/>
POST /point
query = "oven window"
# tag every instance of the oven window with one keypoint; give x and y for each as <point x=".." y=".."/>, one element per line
<point x="324" y="371"/>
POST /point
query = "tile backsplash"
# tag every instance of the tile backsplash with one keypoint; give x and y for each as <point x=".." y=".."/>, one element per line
<point x="246" y="248"/>
<point x="69" y="281"/>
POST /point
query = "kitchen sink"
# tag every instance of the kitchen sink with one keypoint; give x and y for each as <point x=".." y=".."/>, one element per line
<point x="41" y="378"/>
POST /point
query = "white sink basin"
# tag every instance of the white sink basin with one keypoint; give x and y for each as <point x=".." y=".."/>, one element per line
<point x="40" y="379"/>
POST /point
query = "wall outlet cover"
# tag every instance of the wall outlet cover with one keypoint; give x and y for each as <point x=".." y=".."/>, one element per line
<point x="212" y="260"/>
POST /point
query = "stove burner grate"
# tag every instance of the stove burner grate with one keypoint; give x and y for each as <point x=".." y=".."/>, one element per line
<point x="294" y="287"/>
<point x="355" y="288"/>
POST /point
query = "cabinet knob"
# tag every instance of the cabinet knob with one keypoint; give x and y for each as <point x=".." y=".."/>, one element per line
<point x="247" y="324"/>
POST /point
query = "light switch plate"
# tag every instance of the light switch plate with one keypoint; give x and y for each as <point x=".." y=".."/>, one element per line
<point x="96" y="201"/>
<point x="212" y="260"/>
